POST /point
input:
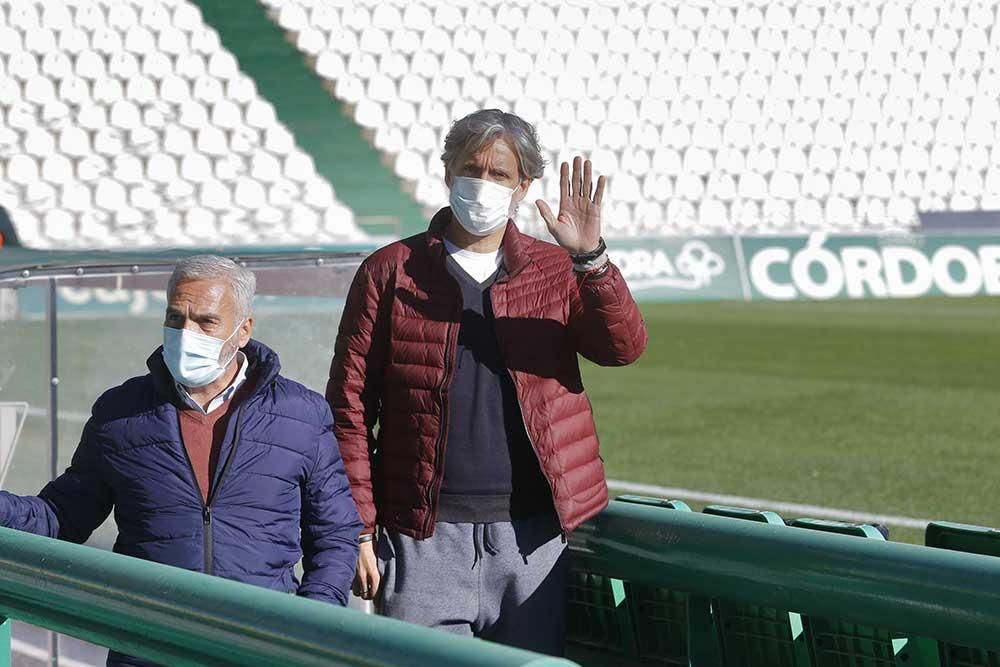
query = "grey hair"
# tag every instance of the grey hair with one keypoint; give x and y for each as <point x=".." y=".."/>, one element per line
<point x="480" y="129"/>
<point x="212" y="267"/>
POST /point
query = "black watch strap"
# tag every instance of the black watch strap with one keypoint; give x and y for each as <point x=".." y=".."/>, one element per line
<point x="584" y="257"/>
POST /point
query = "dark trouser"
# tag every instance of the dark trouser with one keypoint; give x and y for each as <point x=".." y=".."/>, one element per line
<point x="505" y="582"/>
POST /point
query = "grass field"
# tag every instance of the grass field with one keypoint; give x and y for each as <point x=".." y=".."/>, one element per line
<point x="879" y="406"/>
<point x="887" y="407"/>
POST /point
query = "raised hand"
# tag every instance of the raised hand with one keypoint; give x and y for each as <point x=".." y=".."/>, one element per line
<point x="577" y="228"/>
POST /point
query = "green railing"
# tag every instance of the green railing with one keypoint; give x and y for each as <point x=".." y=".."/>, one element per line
<point x="178" y="617"/>
<point x="652" y="584"/>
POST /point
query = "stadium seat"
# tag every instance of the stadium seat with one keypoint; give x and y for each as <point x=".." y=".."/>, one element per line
<point x="610" y="621"/>
<point x="112" y="105"/>
<point x="754" y="635"/>
<point x="777" y="82"/>
<point x="970" y="539"/>
<point x="834" y="641"/>
<point x="677" y="67"/>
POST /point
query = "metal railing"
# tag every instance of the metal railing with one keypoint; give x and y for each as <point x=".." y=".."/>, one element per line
<point x="926" y="594"/>
<point x="177" y="617"/>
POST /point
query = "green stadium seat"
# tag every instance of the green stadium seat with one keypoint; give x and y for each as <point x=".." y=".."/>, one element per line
<point x="610" y="621"/>
<point x="835" y="642"/>
<point x="762" y="516"/>
<point x="856" y="529"/>
<point x="963" y="537"/>
<point x="752" y="635"/>
<point x="661" y="615"/>
<point x="598" y="623"/>
<point x="970" y="539"/>
<point x="654" y="502"/>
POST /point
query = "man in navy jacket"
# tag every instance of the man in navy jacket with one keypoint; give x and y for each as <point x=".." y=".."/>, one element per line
<point x="212" y="461"/>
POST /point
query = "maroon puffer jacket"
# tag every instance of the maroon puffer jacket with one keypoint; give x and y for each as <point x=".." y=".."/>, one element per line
<point x="393" y="363"/>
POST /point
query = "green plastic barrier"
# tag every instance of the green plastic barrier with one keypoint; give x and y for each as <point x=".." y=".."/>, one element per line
<point x="834" y="642"/>
<point x="970" y="539"/>
<point x="183" y="618"/>
<point x="906" y="589"/>
<point x="752" y="634"/>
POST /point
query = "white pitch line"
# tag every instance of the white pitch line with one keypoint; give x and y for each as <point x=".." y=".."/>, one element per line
<point x="38" y="653"/>
<point x="811" y="511"/>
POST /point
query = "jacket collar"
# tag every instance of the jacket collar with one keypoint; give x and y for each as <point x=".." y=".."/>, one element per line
<point x="513" y="245"/>
<point x="263" y="367"/>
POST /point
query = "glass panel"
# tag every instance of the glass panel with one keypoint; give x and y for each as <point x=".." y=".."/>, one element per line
<point x="108" y="324"/>
<point x="24" y="386"/>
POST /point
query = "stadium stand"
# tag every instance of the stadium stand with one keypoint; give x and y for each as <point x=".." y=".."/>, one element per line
<point x="126" y="123"/>
<point x="712" y="117"/>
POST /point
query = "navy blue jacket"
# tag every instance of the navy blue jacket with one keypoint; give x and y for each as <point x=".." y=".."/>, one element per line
<point x="280" y="493"/>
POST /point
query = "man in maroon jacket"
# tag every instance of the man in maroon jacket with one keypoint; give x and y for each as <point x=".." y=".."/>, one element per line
<point x="461" y="343"/>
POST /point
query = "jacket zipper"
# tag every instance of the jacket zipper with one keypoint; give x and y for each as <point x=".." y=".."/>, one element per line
<point x="206" y="531"/>
<point x="206" y="506"/>
<point x="438" y="477"/>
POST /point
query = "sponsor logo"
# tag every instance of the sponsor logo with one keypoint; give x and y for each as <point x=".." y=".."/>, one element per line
<point x="891" y="271"/>
<point x="692" y="268"/>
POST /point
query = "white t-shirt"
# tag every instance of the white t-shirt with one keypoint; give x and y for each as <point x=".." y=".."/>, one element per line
<point x="479" y="265"/>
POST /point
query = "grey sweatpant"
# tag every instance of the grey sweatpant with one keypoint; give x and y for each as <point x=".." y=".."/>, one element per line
<point x="505" y="582"/>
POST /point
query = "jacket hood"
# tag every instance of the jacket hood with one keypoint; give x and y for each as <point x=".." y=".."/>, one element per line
<point x="263" y="367"/>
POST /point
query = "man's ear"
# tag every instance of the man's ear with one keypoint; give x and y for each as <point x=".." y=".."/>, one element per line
<point x="521" y="191"/>
<point x="447" y="177"/>
<point x="246" y="331"/>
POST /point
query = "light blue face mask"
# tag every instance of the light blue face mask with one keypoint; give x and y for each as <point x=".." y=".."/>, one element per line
<point x="193" y="358"/>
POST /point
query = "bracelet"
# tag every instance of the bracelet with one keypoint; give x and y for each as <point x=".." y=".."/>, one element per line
<point x="583" y="257"/>
<point x="366" y="538"/>
<point x="600" y="271"/>
<point x="586" y="267"/>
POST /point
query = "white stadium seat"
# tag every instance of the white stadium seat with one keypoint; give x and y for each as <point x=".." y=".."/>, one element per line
<point x="808" y="213"/>
<point x="298" y="167"/>
<point x="162" y="168"/>
<point x="118" y="108"/>
<point x="762" y="116"/>
<point x="109" y="194"/>
<point x="128" y="169"/>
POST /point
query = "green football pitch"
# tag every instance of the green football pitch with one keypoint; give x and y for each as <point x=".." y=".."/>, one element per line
<point x="886" y="407"/>
<point x="889" y="407"/>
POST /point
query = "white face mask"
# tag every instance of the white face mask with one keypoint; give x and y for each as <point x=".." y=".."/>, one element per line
<point x="480" y="206"/>
<point x="193" y="358"/>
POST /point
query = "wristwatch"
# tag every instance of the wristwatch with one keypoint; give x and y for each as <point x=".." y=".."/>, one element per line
<point x="585" y="257"/>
